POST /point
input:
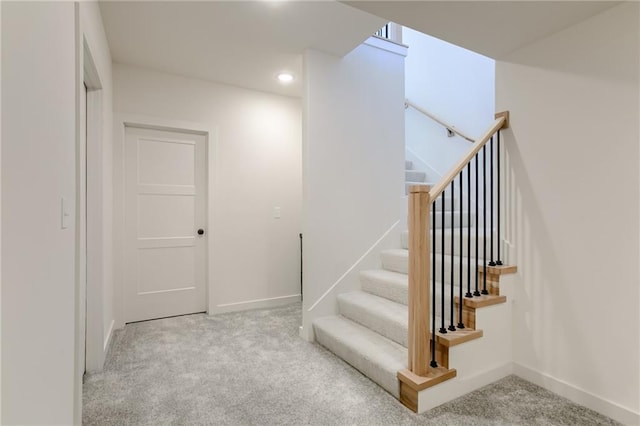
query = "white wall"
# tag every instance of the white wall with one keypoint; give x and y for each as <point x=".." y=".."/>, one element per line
<point x="38" y="168"/>
<point x="574" y="179"/>
<point x="452" y="83"/>
<point x="1" y="220"/>
<point x="353" y="161"/>
<point x="100" y="186"/>
<point x="257" y="167"/>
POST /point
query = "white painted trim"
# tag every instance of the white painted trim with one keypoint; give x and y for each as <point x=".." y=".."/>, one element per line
<point x="271" y="302"/>
<point x="107" y="339"/>
<point x="158" y="123"/>
<point x="95" y="354"/>
<point x="121" y="121"/>
<point x="395" y="33"/>
<point x="1" y="220"/>
<point x="357" y="262"/>
<point x="79" y="245"/>
<point x="387" y="45"/>
<point x="579" y="396"/>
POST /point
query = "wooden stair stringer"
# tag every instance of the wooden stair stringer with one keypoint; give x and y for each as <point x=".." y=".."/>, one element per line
<point x="470" y="305"/>
<point x="411" y="384"/>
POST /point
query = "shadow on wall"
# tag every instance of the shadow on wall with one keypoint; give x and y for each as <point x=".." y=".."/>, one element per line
<point x="541" y="296"/>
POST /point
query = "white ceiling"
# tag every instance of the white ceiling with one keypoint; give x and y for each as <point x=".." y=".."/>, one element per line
<point x="492" y="28"/>
<point x="246" y="43"/>
<point x="243" y="43"/>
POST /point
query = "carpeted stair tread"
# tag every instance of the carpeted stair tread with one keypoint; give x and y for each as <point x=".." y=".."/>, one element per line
<point x="388" y="284"/>
<point x="373" y="355"/>
<point x="395" y="260"/>
<point x="390" y="319"/>
<point x="410" y="183"/>
<point x="395" y="287"/>
<point x="381" y="315"/>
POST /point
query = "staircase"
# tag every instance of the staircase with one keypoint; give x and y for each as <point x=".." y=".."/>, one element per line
<point x="472" y="342"/>
<point x="371" y="330"/>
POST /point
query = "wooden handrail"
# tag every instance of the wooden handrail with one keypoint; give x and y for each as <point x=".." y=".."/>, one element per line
<point x="437" y="189"/>
<point x="448" y="126"/>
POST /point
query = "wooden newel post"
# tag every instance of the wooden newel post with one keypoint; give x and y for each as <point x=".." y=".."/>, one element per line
<point x="419" y="279"/>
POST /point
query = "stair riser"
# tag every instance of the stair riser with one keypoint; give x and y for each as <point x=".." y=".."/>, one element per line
<point x="380" y="290"/>
<point x="456" y="243"/>
<point x="456" y="274"/>
<point x="395" y="263"/>
<point x="447" y="204"/>
<point x="397" y="293"/>
<point x="396" y="331"/>
<point x="398" y="264"/>
<point x="448" y="217"/>
<point x="415" y="176"/>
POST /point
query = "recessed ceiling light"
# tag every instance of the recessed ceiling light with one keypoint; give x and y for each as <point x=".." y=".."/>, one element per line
<point x="285" y="77"/>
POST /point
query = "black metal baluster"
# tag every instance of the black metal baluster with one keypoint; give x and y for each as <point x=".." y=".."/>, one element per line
<point x="433" y="363"/>
<point x="484" y="220"/>
<point x="460" y="299"/>
<point x="468" y="231"/>
<point x="476" y="292"/>
<point x="453" y="222"/>
<point x="499" y="242"/>
<point x="491" y="183"/>
<point x="442" y="311"/>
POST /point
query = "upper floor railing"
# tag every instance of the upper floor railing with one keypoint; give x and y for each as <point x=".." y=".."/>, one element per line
<point x="391" y="31"/>
<point x="383" y="32"/>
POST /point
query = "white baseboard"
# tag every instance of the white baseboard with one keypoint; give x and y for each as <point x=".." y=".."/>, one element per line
<point x="577" y="395"/>
<point x="107" y="339"/>
<point x="302" y="332"/>
<point x="457" y="387"/>
<point x="272" y="302"/>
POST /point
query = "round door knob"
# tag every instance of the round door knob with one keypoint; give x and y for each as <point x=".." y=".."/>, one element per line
<point x="200" y="231"/>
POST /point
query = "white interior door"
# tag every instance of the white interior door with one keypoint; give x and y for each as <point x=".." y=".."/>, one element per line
<point x="165" y="187"/>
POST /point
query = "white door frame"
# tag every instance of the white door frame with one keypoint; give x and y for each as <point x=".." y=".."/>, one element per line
<point x="95" y="345"/>
<point x="121" y="121"/>
<point x="89" y="206"/>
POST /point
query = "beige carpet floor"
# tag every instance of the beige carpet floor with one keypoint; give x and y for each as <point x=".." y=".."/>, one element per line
<point x="251" y="368"/>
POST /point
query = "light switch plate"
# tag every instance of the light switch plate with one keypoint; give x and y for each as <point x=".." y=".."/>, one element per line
<point x="276" y="212"/>
<point x="65" y="213"/>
